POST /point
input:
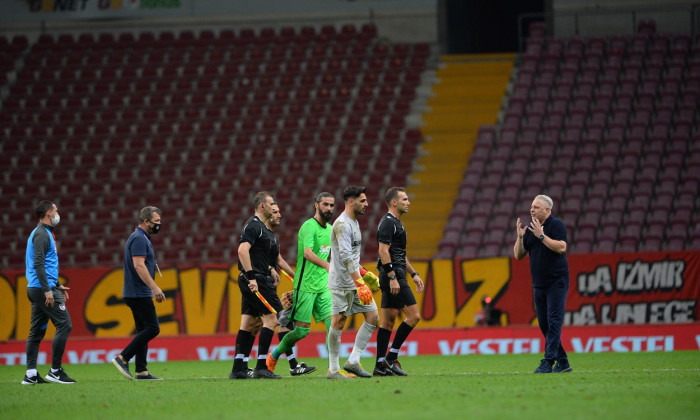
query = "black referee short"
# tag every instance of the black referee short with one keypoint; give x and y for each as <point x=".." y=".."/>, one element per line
<point x="403" y="298"/>
<point x="251" y="304"/>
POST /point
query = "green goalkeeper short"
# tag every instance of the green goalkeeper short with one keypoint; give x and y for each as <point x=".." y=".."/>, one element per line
<point x="308" y="304"/>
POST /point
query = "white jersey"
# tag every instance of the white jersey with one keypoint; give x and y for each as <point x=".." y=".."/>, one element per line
<point x="346" y="241"/>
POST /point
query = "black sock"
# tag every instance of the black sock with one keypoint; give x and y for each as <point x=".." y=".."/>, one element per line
<point x="290" y="354"/>
<point x="383" y="336"/>
<point x="401" y="335"/>
<point x="247" y="347"/>
<point x="241" y="341"/>
<point x="264" y="342"/>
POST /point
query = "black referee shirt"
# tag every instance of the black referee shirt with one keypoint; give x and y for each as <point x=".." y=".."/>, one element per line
<point x="391" y="232"/>
<point x="260" y="239"/>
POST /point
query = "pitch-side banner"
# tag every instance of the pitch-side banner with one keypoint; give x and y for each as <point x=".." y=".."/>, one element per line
<point x="507" y="340"/>
<point x="611" y="289"/>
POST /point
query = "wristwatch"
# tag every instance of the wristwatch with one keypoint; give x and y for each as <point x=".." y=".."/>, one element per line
<point x="392" y="277"/>
<point x="541" y="237"/>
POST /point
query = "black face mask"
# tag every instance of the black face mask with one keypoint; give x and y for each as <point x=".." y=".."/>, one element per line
<point x="155" y="229"/>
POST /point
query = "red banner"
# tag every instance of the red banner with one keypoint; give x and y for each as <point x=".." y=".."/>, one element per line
<point x="525" y="340"/>
<point x="620" y="289"/>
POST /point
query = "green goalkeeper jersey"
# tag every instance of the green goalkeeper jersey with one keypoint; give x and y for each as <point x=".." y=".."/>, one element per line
<point x="309" y="277"/>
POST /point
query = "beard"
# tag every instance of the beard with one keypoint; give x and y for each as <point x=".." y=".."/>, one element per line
<point x="327" y="216"/>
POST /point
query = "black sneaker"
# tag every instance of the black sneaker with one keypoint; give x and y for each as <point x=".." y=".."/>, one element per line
<point x="380" y="371"/>
<point x="545" y="367"/>
<point x="148" y="377"/>
<point x="122" y="367"/>
<point x="33" y="380"/>
<point x="60" y="377"/>
<point x="265" y="374"/>
<point x="239" y="374"/>
<point x="394" y="366"/>
<point x="250" y="372"/>
<point x="562" y="366"/>
<point x="302" y="369"/>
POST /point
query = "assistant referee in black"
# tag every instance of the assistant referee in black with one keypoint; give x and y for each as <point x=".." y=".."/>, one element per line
<point x="396" y="293"/>
<point x="255" y="264"/>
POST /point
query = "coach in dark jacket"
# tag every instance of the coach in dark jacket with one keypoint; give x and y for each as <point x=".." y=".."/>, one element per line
<point x="47" y="296"/>
<point x="545" y="240"/>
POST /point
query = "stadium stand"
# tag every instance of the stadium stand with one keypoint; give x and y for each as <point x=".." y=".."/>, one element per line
<point x="196" y="123"/>
<point x="605" y="126"/>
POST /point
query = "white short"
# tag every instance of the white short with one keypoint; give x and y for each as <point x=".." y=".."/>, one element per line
<point x="348" y="303"/>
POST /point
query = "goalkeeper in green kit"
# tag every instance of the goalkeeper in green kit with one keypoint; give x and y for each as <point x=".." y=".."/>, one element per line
<point x="311" y="294"/>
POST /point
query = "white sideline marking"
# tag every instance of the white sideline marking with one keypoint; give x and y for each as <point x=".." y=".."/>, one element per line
<point x="184" y="378"/>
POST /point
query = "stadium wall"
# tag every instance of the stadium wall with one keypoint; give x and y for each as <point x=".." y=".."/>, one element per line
<point x="606" y="289"/>
<point x="398" y="20"/>
<point x="445" y="342"/>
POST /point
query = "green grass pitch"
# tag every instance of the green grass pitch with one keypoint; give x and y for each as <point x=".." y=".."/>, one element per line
<point x="605" y="385"/>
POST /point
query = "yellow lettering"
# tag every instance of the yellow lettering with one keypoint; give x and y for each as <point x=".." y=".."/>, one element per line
<point x="167" y="309"/>
<point x="107" y="317"/>
<point x="492" y="274"/>
<point x="201" y="308"/>
<point x="234" y="301"/>
<point x="8" y="310"/>
<point x="442" y="294"/>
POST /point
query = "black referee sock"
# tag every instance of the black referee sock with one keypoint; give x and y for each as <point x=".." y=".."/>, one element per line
<point x="383" y="336"/>
<point x="401" y="335"/>
<point x="290" y="353"/>
<point x="264" y="342"/>
<point x="242" y="339"/>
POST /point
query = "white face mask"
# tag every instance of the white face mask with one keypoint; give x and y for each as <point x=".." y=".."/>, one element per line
<point x="55" y="219"/>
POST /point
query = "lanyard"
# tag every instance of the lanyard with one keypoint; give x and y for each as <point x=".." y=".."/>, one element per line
<point x="154" y="253"/>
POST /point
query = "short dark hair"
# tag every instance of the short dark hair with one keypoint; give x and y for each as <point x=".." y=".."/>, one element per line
<point x="392" y="194"/>
<point x="353" y="191"/>
<point x="260" y="197"/>
<point x="147" y="212"/>
<point x="323" y="195"/>
<point x="43" y="207"/>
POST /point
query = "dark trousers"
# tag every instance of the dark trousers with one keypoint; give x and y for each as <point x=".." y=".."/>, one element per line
<point x="550" y="303"/>
<point x="41" y="314"/>
<point x="147" y="328"/>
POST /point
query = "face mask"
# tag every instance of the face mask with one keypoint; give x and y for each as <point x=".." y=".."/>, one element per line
<point x="55" y="219"/>
<point x="155" y="228"/>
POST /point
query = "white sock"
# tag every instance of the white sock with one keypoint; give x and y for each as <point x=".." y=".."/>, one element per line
<point x="32" y="373"/>
<point x="334" y="350"/>
<point x="361" y="340"/>
<point x="54" y="370"/>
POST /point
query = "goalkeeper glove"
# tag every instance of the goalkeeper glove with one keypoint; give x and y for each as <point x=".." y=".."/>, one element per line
<point x="370" y="279"/>
<point x="363" y="292"/>
<point x="287" y="299"/>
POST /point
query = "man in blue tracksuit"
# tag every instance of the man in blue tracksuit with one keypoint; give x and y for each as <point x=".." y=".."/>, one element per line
<point x="545" y="240"/>
<point x="47" y="296"/>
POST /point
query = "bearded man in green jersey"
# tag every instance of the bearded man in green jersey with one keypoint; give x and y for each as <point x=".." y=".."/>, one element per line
<point x="311" y="294"/>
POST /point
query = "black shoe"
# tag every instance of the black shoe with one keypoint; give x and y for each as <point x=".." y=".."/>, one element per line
<point x="562" y="366"/>
<point x="265" y="374"/>
<point x="302" y="369"/>
<point x="148" y="377"/>
<point x="122" y="367"/>
<point x="250" y="372"/>
<point x="60" y="377"/>
<point x="240" y="374"/>
<point x="544" y="367"/>
<point x="394" y="366"/>
<point x="33" y="380"/>
<point x="380" y="371"/>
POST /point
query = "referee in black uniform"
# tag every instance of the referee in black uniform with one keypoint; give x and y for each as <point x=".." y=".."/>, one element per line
<point x="396" y="293"/>
<point x="255" y="263"/>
